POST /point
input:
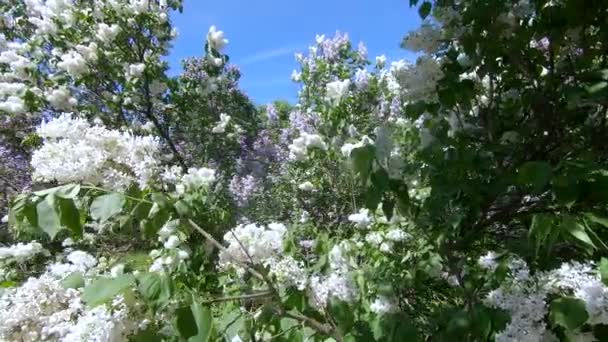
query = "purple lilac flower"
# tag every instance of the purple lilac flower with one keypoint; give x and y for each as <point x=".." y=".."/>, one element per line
<point x="361" y="79"/>
<point x="362" y="51"/>
<point x="243" y="188"/>
<point x="331" y="48"/>
<point x="303" y="122"/>
<point x="271" y="113"/>
<point x="395" y="108"/>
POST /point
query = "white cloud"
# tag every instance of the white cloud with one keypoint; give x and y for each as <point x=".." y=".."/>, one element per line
<point x="265" y="55"/>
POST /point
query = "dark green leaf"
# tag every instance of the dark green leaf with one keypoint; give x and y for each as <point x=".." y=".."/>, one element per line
<point x="102" y="290"/>
<point x="568" y="312"/>
<point x="342" y="314"/>
<point x="106" y="206"/>
<point x="362" y="158"/>
<point x="70" y="216"/>
<point x="535" y="174"/>
<point x="425" y="9"/>
<point x="186" y="325"/>
<point x="147" y="335"/>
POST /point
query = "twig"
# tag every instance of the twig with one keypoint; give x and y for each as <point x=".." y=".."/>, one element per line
<point x="265" y="293"/>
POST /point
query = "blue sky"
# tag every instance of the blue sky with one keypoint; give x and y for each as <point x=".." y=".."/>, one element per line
<point x="265" y="34"/>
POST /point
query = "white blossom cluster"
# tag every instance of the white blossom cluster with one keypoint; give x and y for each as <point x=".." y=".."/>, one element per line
<point x="418" y="81"/>
<point x="524" y="296"/>
<point x="21" y="252"/>
<point x="426" y="38"/>
<point x="337" y="90"/>
<point x="298" y="149"/>
<point x="42" y="309"/>
<point x="252" y="244"/>
<point x="76" y="151"/>
<point x="383" y="305"/>
<point x="338" y="283"/>
<point x="174" y="251"/>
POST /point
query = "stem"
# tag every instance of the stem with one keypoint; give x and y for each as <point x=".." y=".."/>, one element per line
<point x="261" y="294"/>
<point x="92" y="187"/>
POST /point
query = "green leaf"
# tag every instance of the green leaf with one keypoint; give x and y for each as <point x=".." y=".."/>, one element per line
<point x="102" y="290"/>
<point x="68" y="191"/>
<point x="73" y="281"/>
<point x="48" y="216"/>
<point x="380" y="179"/>
<point x="597" y="219"/>
<point x="373" y="196"/>
<point x="202" y="316"/>
<point x="535" y="174"/>
<point x="425" y="9"/>
<point x="342" y="314"/>
<point x="362" y="159"/>
<point x="149" y="285"/>
<point x="568" y="312"/>
<point x="540" y="229"/>
<point x="604" y="270"/>
<point x="106" y="206"/>
<point x="70" y="216"/>
<point x="186" y="325"/>
<point x="147" y="335"/>
<point x="577" y="231"/>
<point x="182" y="208"/>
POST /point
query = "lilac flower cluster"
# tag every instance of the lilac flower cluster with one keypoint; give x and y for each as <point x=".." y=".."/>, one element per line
<point x="254" y="166"/>
<point x="330" y="48"/>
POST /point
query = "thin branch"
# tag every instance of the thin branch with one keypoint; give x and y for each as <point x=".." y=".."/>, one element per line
<point x="261" y="294"/>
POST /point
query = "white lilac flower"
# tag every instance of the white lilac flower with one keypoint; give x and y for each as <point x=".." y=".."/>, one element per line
<point x="374" y="238"/>
<point x="252" y="243"/>
<point x="13" y="104"/>
<point x="337" y="285"/>
<point x="196" y="178"/>
<point x="75" y="151"/>
<point x="216" y="38"/>
<point x="117" y="270"/>
<point x="383" y="305"/>
<point x="74" y="63"/>
<point x="347" y="148"/>
<point x="306" y="186"/>
<point x="397" y="235"/>
<point x="220" y="127"/>
<point x="427" y="38"/>
<point x="107" y="33"/>
<point x="82" y="260"/>
<point x="136" y="70"/>
<point x="288" y="272"/>
<point x="21" y="252"/>
<point x="61" y="98"/>
<point x="380" y="61"/>
<point x="337" y="90"/>
<point x="361" y="219"/>
<point x="300" y="146"/>
<point x="172" y="242"/>
<point x="68" y="242"/>
<point x="386" y="247"/>
<point x="488" y="261"/>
